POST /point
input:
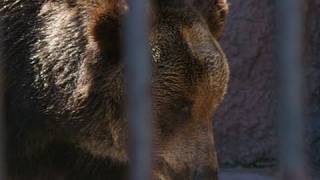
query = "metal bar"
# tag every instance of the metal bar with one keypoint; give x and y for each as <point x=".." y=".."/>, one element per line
<point x="2" y="130"/>
<point x="138" y="76"/>
<point x="290" y="17"/>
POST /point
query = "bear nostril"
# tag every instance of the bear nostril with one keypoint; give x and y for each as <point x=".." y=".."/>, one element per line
<point x="205" y="173"/>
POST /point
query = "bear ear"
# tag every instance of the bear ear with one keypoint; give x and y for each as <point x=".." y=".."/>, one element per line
<point x="214" y="12"/>
<point x="105" y="26"/>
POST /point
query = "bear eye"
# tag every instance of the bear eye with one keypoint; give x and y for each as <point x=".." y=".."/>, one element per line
<point x="183" y="106"/>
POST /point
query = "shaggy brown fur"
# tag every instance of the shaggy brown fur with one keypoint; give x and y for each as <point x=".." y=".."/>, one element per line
<point x="65" y="90"/>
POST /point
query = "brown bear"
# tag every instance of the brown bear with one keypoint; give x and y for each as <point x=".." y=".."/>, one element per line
<point x="65" y="89"/>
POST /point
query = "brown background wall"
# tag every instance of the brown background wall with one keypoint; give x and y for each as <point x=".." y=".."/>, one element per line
<point x="245" y="124"/>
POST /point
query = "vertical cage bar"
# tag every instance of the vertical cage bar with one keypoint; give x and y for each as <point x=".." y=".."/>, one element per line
<point x="290" y="127"/>
<point x="2" y="130"/>
<point x="138" y="79"/>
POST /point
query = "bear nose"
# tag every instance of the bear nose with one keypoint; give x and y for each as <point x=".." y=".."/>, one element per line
<point x="205" y="173"/>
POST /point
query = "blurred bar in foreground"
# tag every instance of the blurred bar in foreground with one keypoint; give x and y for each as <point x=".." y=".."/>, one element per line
<point x="138" y="76"/>
<point x="290" y="16"/>
<point x="2" y="129"/>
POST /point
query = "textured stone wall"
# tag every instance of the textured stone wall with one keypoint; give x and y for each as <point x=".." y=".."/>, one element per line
<point x="244" y="125"/>
<point x="312" y="76"/>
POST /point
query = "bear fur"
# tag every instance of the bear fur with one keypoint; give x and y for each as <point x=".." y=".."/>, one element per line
<point x="65" y="90"/>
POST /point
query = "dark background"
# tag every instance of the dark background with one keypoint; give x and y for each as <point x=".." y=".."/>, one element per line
<point x="245" y="128"/>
